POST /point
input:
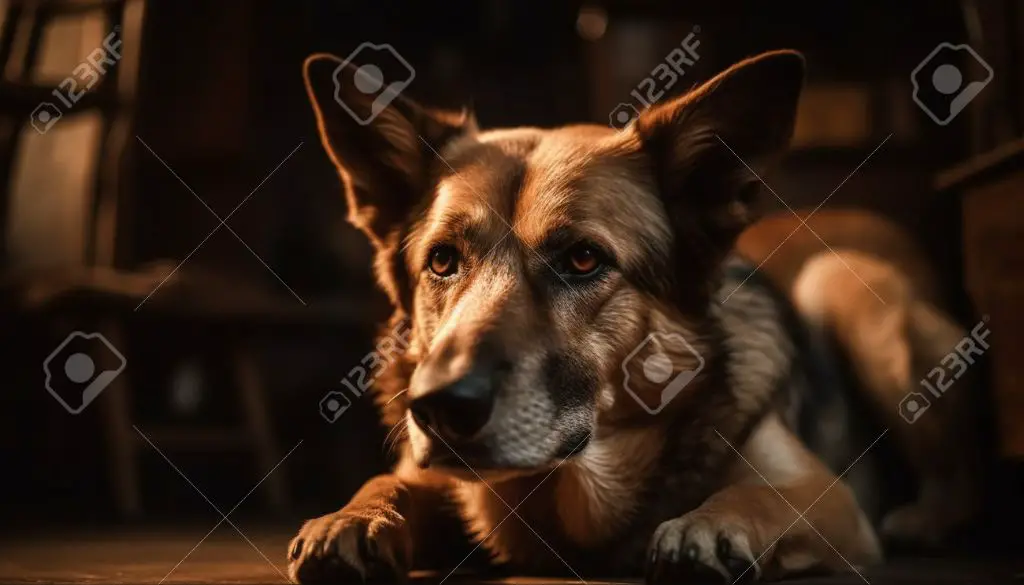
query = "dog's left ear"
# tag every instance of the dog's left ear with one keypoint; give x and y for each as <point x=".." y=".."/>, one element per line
<point x="705" y="146"/>
<point x="383" y="146"/>
<point x="380" y="141"/>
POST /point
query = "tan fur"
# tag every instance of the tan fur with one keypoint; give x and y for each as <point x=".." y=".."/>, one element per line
<point x="605" y="483"/>
<point x="572" y="466"/>
<point x="819" y="511"/>
<point x="874" y="290"/>
<point x="781" y="245"/>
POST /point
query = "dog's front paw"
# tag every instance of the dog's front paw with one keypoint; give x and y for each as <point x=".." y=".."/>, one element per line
<point x="702" y="546"/>
<point x="351" y="547"/>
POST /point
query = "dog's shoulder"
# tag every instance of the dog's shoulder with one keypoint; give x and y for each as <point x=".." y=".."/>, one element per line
<point x="769" y="339"/>
<point x="762" y="334"/>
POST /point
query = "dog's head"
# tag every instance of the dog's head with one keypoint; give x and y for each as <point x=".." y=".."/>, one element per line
<point x="533" y="262"/>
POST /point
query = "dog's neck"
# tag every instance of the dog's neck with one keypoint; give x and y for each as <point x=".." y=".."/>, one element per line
<point x="600" y="490"/>
<point x="582" y="502"/>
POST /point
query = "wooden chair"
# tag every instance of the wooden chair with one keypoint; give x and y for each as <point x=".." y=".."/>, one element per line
<point x="101" y="288"/>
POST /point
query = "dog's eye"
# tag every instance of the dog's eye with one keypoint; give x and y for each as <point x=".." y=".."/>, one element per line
<point x="443" y="261"/>
<point x="582" y="260"/>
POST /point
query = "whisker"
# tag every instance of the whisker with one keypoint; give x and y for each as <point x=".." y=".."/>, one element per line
<point x="397" y="394"/>
<point x="407" y="242"/>
<point x="388" y="437"/>
<point x="395" y="436"/>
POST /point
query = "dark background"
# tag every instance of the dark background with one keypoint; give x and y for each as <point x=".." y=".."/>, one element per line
<point x="219" y="98"/>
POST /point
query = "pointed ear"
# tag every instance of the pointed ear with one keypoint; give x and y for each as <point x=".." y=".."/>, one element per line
<point x="377" y="139"/>
<point x="701" y="144"/>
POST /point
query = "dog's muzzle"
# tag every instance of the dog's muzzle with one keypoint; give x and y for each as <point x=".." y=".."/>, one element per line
<point x="457" y="411"/>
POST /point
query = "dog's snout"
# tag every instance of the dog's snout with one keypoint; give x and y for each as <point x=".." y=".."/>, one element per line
<point x="457" y="411"/>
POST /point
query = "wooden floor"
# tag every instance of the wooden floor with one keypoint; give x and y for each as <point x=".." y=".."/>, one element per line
<point x="225" y="557"/>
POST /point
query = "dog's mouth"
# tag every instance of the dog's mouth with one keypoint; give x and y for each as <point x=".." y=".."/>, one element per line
<point x="463" y="470"/>
<point x="475" y="461"/>
<point x="471" y="461"/>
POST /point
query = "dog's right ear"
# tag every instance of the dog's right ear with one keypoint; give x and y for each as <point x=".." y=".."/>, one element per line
<point x="699" y="144"/>
<point x="381" y="143"/>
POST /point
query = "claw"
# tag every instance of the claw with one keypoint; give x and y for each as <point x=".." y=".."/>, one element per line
<point x="700" y="549"/>
<point x="350" y="548"/>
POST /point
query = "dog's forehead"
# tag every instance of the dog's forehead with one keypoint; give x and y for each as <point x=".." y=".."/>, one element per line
<point x="538" y="180"/>
<point x="480" y="176"/>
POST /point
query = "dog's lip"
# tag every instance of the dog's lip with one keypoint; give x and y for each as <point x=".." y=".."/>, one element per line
<point x="444" y="457"/>
<point x="477" y="468"/>
<point x="475" y="458"/>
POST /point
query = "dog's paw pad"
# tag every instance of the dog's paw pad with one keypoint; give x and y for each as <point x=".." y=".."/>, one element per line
<point x="700" y="547"/>
<point x="346" y="548"/>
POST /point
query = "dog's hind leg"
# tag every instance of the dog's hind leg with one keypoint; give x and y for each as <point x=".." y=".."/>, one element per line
<point x="893" y="339"/>
<point x="945" y="449"/>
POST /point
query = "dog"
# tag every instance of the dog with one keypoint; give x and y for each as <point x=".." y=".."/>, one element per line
<point x="588" y="352"/>
<point x="871" y="289"/>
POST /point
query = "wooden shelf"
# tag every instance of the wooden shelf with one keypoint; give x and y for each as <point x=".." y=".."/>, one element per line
<point x="990" y="187"/>
<point x="982" y="167"/>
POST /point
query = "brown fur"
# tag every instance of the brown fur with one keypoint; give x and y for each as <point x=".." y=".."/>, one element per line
<point x="570" y="473"/>
<point x="874" y="289"/>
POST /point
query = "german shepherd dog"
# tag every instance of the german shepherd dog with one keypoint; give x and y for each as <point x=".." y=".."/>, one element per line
<point x="573" y="361"/>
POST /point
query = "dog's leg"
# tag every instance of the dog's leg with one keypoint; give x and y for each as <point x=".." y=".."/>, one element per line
<point x="940" y="438"/>
<point x="376" y="535"/>
<point x="893" y="345"/>
<point x="783" y="512"/>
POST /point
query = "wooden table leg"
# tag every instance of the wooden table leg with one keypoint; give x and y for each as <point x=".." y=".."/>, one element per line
<point x="254" y="399"/>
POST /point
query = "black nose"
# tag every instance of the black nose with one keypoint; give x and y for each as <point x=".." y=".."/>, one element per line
<point x="457" y="411"/>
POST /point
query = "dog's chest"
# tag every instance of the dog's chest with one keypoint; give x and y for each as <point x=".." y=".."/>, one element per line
<point x="581" y="505"/>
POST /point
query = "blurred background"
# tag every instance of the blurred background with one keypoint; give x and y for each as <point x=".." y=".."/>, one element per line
<point x="162" y="183"/>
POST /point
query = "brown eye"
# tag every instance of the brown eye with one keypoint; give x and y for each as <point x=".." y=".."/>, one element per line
<point x="582" y="260"/>
<point x="444" y="261"/>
